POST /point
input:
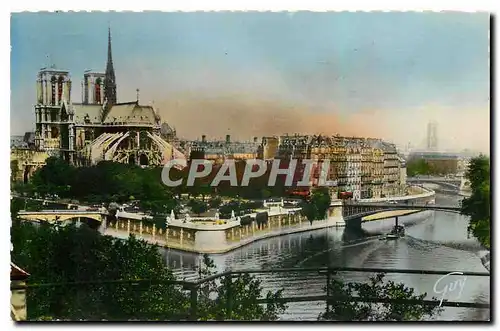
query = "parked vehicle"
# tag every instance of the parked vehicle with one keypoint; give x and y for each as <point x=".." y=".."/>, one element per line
<point x="345" y="195"/>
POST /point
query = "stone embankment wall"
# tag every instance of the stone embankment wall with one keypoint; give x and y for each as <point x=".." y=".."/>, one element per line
<point x="198" y="236"/>
<point x="220" y="238"/>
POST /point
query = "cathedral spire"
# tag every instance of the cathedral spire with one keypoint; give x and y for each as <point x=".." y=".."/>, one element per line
<point x="109" y="80"/>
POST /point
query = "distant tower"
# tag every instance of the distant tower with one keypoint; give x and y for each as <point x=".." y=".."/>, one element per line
<point x="432" y="139"/>
<point x="110" y="80"/>
<point x="93" y="88"/>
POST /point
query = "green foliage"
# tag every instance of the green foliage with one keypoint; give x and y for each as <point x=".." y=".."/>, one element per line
<point x="478" y="171"/>
<point x="265" y="193"/>
<point x="239" y="207"/>
<point x="197" y="206"/>
<point x="54" y="177"/>
<point x="24" y="189"/>
<point x="18" y="204"/>
<point x="105" y="182"/>
<point x="418" y="167"/>
<point x="68" y="254"/>
<point x="14" y="170"/>
<point x="258" y="188"/>
<point x="158" y="220"/>
<point x="236" y="298"/>
<point x="215" y="202"/>
<point x="477" y="206"/>
<point x="348" y="310"/>
<point x="317" y="206"/>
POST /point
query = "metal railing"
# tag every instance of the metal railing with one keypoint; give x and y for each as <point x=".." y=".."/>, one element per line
<point x="193" y="287"/>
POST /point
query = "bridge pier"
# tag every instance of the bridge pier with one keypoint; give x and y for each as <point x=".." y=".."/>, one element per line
<point x="104" y="224"/>
<point x="353" y="223"/>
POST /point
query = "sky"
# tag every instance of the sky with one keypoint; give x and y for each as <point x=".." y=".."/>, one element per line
<point x="250" y="74"/>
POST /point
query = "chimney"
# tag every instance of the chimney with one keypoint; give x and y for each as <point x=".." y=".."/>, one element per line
<point x="228" y="139"/>
<point x="203" y="138"/>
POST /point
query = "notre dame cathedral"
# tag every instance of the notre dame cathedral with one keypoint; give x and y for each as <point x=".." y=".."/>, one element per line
<point x="99" y="128"/>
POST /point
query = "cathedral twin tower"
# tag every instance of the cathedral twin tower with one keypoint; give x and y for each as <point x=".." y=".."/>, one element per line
<point x="99" y="128"/>
<point x="54" y="86"/>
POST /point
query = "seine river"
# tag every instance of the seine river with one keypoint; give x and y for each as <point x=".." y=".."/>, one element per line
<point x="434" y="241"/>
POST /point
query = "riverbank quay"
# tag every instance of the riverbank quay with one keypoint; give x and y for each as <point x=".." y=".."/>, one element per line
<point x="212" y="235"/>
<point x="215" y="235"/>
<point x="217" y="245"/>
<point x="417" y="193"/>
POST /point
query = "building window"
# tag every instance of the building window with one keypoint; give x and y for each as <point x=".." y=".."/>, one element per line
<point x="98" y="91"/>
<point x="60" y="88"/>
<point x="53" y="90"/>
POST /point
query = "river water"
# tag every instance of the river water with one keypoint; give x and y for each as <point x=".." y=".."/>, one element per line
<point x="434" y="241"/>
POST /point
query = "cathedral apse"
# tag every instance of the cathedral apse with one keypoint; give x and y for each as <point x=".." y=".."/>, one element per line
<point x="100" y="127"/>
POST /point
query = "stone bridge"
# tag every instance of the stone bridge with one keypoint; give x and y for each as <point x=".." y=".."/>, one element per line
<point x="357" y="209"/>
<point x="64" y="216"/>
<point x="450" y="183"/>
<point x="354" y="212"/>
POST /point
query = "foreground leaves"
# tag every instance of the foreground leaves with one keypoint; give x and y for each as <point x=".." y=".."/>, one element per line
<point x="477" y="206"/>
<point x="55" y="255"/>
<point x="348" y="310"/>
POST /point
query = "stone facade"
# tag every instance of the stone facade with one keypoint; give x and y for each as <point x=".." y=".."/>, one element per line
<point x="99" y="128"/>
<point x="369" y="168"/>
<point x="18" y="309"/>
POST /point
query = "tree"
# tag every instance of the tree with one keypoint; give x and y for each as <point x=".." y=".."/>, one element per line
<point x="54" y="177"/>
<point x="215" y="202"/>
<point x="14" y="170"/>
<point x="477" y="206"/>
<point x="106" y="182"/>
<point x="227" y="209"/>
<point x="204" y="189"/>
<point x="317" y="206"/>
<point x="348" y="310"/>
<point x="70" y="254"/>
<point x="265" y="193"/>
<point x="418" y="167"/>
<point x="197" y="206"/>
<point x="236" y="297"/>
<point x="309" y="211"/>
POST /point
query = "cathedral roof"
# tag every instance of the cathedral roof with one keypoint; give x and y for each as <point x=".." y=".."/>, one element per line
<point x="131" y="113"/>
<point x="82" y="111"/>
<point x="166" y="129"/>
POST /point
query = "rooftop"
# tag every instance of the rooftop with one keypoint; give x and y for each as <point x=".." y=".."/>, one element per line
<point x="17" y="273"/>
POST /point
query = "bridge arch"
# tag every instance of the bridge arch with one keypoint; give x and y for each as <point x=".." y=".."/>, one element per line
<point x="455" y="184"/>
<point x="350" y="211"/>
<point x="91" y="222"/>
<point x="94" y="220"/>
